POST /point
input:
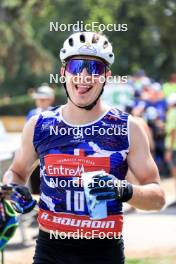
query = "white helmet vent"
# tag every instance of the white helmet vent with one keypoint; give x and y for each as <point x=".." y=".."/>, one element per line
<point x="70" y="41"/>
<point x="105" y="45"/>
<point x="95" y="38"/>
<point x="82" y="38"/>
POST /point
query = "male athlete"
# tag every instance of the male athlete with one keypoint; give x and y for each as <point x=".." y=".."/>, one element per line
<point x="108" y="140"/>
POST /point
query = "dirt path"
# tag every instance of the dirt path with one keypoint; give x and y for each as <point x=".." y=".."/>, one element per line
<point x="150" y="235"/>
<point x="145" y="235"/>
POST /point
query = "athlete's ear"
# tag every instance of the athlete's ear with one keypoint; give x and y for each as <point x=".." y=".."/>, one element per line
<point x="62" y="70"/>
<point x="108" y="73"/>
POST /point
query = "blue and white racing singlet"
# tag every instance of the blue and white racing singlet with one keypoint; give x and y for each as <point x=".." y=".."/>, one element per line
<point x="65" y="152"/>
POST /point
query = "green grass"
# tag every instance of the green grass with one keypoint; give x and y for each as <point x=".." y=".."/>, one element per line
<point x="159" y="260"/>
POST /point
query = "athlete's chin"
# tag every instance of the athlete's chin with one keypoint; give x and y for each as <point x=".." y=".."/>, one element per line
<point x="82" y="103"/>
<point x="83" y="99"/>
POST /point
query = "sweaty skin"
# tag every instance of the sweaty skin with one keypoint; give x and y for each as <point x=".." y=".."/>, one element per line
<point x="148" y="195"/>
<point x="24" y="160"/>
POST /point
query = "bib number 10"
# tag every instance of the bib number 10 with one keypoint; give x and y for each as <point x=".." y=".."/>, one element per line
<point x="78" y="198"/>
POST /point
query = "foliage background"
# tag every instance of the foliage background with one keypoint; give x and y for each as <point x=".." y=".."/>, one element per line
<point x="29" y="52"/>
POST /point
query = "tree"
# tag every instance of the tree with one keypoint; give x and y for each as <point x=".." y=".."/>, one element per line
<point x="29" y="51"/>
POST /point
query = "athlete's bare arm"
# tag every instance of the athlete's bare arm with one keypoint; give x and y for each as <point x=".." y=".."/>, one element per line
<point x="148" y="195"/>
<point x="25" y="157"/>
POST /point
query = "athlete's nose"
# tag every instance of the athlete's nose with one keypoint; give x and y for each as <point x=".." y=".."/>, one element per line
<point x="84" y="72"/>
<point x="85" y="77"/>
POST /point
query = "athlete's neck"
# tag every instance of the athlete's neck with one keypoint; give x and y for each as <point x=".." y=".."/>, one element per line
<point x="77" y="116"/>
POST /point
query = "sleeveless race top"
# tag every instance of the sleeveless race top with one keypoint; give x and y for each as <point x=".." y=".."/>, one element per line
<point x="65" y="152"/>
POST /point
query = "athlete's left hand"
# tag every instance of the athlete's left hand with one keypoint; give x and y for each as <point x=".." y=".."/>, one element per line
<point x="108" y="187"/>
<point x="21" y="199"/>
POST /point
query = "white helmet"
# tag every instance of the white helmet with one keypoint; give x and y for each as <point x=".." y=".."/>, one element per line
<point x="44" y="92"/>
<point x="156" y="87"/>
<point x="87" y="43"/>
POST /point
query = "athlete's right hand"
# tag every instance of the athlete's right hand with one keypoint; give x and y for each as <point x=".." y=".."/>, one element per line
<point x="21" y="199"/>
<point x="112" y="188"/>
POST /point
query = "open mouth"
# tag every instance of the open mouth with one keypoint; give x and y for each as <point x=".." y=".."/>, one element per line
<point x="83" y="89"/>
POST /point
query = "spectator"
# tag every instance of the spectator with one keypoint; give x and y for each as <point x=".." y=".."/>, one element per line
<point x="139" y="81"/>
<point x="152" y="96"/>
<point x="157" y="100"/>
<point x="170" y="87"/>
<point x="170" y="141"/>
<point x="44" y="98"/>
<point x="157" y="128"/>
